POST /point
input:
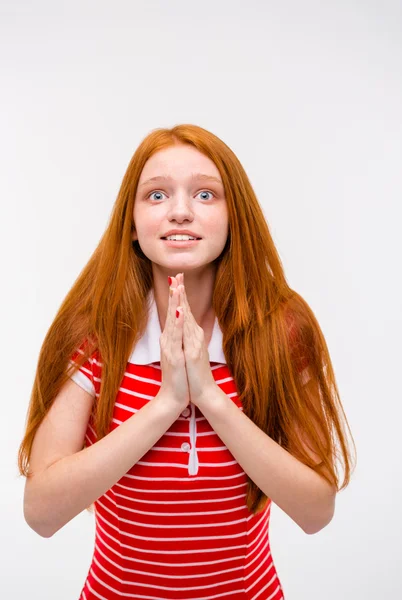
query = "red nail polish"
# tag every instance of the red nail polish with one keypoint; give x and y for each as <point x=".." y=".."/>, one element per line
<point x="177" y="313"/>
<point x="170" y="280"/>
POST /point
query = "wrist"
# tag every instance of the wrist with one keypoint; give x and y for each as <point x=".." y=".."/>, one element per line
<point x="167" y="404"/>
<point x="212" y="399"/>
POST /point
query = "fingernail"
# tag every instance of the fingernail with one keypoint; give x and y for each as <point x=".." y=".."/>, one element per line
<point x="177" y="313"/>
<point x="170" y="280"/>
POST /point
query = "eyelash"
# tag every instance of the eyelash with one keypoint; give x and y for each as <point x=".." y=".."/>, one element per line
<point x="159" y="192"/>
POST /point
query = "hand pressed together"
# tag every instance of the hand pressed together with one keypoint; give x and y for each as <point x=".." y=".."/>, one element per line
<point x="199" y="375"/>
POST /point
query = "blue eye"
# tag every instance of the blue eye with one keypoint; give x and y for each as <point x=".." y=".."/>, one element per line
<point x="206" y="192"/>
<point x="202" y="192"/>
<point x="154" y="193"/>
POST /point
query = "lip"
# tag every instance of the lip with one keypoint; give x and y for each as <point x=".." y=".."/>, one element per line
<point x="181" y="244"/>
<point x="180" y="232"/>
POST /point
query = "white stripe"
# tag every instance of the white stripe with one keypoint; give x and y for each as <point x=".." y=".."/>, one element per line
<point x="258" y="541"/>
<point x="173" y="566"/>
<point x="183" y="491"/>
<point x="168" y="588"/>
<point x="206" y="449"/>
<point x="173" y="526"/>
<point x="263" y="590"/>
<point x="180" y="466"/>
<point x="177" y="514"/>
<point x="268" y="568"/>
<point x="153" y="597"/>
<point x="180" y="479"/>
<point x="169" y="564"/>
<point x="173" y="539"/>
<point x="177" y="502"/>
<point x="130" y="547"/>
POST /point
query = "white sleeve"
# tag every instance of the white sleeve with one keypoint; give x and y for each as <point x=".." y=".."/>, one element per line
<point x="83" y="376"/>
<point x="84" y="382"/>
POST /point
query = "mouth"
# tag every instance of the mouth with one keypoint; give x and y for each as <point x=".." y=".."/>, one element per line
<point x="180" y="243"/>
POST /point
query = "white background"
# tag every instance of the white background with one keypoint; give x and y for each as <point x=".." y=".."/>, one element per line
<point x="308" y="95"/>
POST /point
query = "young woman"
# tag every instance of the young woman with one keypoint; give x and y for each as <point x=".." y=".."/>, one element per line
<point x="182" y="416"/>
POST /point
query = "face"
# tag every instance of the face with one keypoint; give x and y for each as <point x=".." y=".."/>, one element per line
<point x="179" y="200"/>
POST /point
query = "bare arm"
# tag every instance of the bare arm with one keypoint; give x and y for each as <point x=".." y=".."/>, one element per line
<point x="297" y="489"/>
<point x="56" y="494"/>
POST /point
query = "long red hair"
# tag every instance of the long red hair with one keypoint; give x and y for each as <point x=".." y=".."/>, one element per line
<point x="270" y="334"/>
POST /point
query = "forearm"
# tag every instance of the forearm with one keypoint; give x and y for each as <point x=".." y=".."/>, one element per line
<point x="298" y="490"/>
<point x="74" y="482"/>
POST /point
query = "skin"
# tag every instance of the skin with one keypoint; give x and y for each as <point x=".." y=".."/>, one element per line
<point x="182" y="203"/>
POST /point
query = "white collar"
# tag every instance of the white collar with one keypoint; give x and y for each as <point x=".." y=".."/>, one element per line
<point x="147" y="348"/>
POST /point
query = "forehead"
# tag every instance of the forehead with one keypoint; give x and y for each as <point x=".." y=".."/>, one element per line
<point x="179" y="163"/>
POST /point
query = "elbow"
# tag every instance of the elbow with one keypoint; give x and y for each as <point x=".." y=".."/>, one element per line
<point x="39" y="528"/>
<point x="321" y="514"/>
<point x="316" y="528"/>
<point x="37" y="525"/>
<point x="318" y="524"/>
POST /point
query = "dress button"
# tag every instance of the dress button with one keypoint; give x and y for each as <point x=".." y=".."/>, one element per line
<point x="185" y="447"/>
<point x="185" y="412"/>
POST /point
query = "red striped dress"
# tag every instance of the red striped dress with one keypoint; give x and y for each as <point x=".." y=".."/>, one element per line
<point x="176" y="525"/>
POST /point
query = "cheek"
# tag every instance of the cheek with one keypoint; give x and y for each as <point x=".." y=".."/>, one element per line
<point x="214" y="223"/>
<point x="146" y="223"/>
<point x="218" y="228"/>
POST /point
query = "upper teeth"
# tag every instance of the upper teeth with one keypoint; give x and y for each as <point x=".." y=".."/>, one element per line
<point x="180" y="237"/>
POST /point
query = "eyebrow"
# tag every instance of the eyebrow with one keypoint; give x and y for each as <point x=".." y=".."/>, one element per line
<point x="201" y="176"/>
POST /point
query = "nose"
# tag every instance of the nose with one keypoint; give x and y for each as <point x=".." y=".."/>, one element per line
<point x="181" y="209"/>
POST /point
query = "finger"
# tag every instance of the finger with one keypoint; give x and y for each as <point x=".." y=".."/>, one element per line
<point x="179" y="278"/>
<point x="174" y="293"/>
<point x="169" y="326"/>
<point x="180" y="301"/>
<point x="171" y="312"/>
<point x="183" y="303"/>
<point x="178" y="330"/>
<point x="172" y="285"/>
<point x="180" y="298"/>
<point x="177" y="335"/>
<point x="190" y="325"/>
<point x="184" y="296"/>
<point x="186" y="315"/>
